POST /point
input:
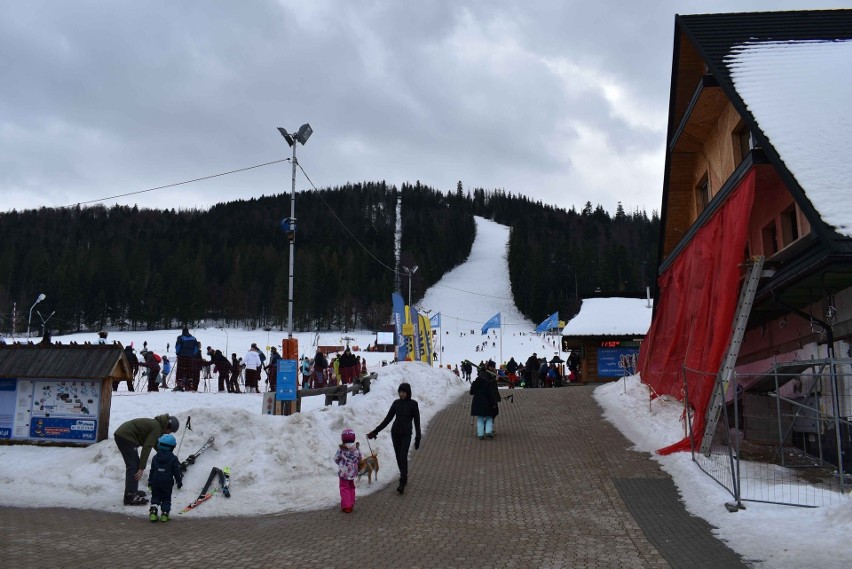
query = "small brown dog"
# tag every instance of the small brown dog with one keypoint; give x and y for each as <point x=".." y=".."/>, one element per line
<point x="369" y="465"/>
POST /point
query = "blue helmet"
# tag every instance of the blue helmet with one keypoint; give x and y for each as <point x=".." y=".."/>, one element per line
<point x="166" y="442"/>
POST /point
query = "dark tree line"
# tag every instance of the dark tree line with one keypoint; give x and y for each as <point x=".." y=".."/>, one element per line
<point x="136" y="268"/>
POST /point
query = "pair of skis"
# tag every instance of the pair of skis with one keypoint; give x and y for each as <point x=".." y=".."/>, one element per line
<point x="224" y="477"/>
<point x="191" y="458"/>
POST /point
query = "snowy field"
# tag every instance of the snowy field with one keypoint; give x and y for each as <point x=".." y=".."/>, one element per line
<point x="282" y="464"/>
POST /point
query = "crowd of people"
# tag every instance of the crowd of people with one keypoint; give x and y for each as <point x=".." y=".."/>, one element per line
<point x="191" y="366"/>
<point x="534" y="373"/>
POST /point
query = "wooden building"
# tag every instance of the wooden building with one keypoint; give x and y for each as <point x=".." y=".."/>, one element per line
<point x="58" y="394"/>
<point x="757" y="168"/>
<point x="606" y="334"/>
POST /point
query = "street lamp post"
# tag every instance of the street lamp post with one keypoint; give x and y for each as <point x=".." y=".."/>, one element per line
<point x="44" y="320"/>
<point x="302" y="137"/>
<point x="410" y="272"/>
<point x="29" y="321"/>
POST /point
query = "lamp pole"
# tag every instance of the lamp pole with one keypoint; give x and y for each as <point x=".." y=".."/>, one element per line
<point x="44" y="320"/>
<point x="29" y="321"/>
<point x="302" y="136"/>
<point x="410" y="272"/>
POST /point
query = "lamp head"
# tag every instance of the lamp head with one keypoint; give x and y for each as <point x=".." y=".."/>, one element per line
<point x="287" y="136"/>
<point x="305" y="132"/>
<point x="40" y="298"/>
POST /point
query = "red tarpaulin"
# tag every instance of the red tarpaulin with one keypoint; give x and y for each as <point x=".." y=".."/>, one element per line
<point x="698" y="296"/>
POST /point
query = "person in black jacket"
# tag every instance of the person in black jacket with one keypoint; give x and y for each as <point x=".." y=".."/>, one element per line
<point x="406" y="411"/>
<point x="165" y="472"/>
<point x="484" y="404"/>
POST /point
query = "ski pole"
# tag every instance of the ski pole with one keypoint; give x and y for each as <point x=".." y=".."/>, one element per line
<point x="185" y="427"/>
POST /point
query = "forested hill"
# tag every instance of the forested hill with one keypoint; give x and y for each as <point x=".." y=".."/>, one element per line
<point x="122" y="266"/>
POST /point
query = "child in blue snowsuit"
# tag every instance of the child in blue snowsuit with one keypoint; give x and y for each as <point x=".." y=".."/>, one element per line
<point x="347" y="458"/>
<point x="165" y="471"/>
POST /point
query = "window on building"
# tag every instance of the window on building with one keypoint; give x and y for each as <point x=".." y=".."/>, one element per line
<point x="789" y="226"/>
<point x="770" y="239"/>
<point x="702" y="194"/>
<point x="743" y="142"/>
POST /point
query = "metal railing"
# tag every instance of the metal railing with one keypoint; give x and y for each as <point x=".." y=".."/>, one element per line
<point x="784" y="437"/>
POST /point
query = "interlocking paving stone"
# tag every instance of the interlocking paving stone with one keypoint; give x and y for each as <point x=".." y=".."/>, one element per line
<point x="552" y="489"/>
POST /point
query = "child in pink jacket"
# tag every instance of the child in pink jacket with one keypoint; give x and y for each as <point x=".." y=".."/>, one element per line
<point x="347" y="458"/>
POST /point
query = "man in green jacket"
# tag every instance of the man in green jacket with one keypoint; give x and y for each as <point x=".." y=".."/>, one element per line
<point x="132" y="435"/>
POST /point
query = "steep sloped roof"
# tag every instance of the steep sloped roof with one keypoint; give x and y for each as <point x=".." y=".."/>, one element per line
<point x="789" y="74"/>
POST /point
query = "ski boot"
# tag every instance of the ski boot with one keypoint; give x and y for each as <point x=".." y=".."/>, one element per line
<point x="163" y="518"/>
<point x="152" y="514"/>
<point x="135" y="500"/>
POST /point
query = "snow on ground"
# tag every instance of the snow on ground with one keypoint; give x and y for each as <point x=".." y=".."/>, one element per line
<point x="285" y="464"/>
<point x="781" y="536"/>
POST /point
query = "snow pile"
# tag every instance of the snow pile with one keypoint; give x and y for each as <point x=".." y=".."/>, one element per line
<point x="277" y="463"/>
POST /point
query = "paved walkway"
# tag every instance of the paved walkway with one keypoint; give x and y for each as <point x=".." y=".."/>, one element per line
<point x="557" y="487"/>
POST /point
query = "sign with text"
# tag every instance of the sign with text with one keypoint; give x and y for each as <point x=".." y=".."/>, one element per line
<point x="285" y="376"/>
<point x="49" y="410"/>
<point x="609" y="360"/>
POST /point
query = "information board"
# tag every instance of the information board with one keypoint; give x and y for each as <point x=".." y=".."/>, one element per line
<point x="285" y="389"/>
<point x="49" y="409"/>
<point x="610" y="358"/>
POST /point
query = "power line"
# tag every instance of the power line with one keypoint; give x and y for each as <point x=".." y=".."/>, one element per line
<point x="370" y="253"/>
<point x="180" y="183"/>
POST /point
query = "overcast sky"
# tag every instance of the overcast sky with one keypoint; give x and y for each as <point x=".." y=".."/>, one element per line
<point x="561" y="100"/>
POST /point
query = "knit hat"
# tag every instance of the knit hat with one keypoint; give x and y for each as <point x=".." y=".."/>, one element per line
<point x="348" y="436"/>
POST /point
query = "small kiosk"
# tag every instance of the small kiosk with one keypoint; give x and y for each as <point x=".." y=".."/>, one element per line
<point x="606" y="335"/>
<point x="58" y="394"/>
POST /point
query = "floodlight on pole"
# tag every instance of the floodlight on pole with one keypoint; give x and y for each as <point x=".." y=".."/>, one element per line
<point x="410" y="272"/>
<point x="29" y="321"/>
<point x="301" y="136"/>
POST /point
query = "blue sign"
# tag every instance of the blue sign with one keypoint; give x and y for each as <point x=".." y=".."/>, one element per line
<point x="52" y="428"/>
<point x="8" y="389"/>
<point x="285" y="376"/>
<point x="609" y="360"/>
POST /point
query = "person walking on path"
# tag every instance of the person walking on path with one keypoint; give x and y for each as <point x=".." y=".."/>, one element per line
<point x="165" y="472"/>
<point x="484" y="405"/>
<point x="347" y="458"/>
<point x="406" y="411"/>
<point x="137" y="433"/>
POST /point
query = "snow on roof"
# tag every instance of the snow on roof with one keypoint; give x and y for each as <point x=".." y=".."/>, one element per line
<point x="799" y="93"/>
<point x="614" y="316"/>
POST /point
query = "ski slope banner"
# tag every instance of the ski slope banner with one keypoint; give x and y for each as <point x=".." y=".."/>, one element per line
<point x="549" y="323"/>
<point x="414" y="320"/>
<point x="398" y="321"/>
<point x="493" y="322"/>
<point x="426" y="348"/>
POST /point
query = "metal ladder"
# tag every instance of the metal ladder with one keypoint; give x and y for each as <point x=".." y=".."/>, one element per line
<point x="717" y="399"/>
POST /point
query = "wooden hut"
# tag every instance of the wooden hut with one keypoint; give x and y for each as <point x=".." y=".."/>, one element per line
<point x="58" y="394"/>
<point x="605" y="336"/>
